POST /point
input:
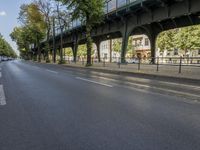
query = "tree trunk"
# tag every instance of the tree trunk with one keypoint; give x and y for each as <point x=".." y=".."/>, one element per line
<point x="48" y="46"/>
<point x="89" y="45"/>
<point x="98" y="51"/>
<point x="61" y="46"/>
<point x="39" y="50"/>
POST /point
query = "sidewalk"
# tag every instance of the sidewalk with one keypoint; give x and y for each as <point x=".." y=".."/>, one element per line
<point x="187" y="72"/>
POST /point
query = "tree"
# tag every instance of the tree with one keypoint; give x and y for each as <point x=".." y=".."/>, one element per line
<point x="23" y="37"/>
<point x="166" y="40"/>
<point x="32" y="19"/>
<point x="63" y="20"/>
<point x="46" y="10"/>
<point x="82" y="50"/>
<point x="117" y="45"/>
<point x="6" y="49"/>
<point x="130" y="48"/>
<point x="90" y="12"/>
<point x="188" y="38"/>
<point x="68" y="52"/>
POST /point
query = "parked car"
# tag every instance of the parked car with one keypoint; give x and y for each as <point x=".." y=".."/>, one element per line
<point x="133" y="61"/>
<point x="4" y="59"/>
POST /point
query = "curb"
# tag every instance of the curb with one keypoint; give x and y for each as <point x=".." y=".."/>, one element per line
<point x="135" y="74"/>
<point x="140" y="75"/>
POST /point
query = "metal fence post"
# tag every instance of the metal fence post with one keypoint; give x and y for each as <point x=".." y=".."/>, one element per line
<point x="104" y="62"/>
<point x="139" y="63"/>
<point x="180" y="65"/>
<point x="157" y="63"/>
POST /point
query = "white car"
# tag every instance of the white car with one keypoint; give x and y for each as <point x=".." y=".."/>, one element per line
<point x="133" y="61"/>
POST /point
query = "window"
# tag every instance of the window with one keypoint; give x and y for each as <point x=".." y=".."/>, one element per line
<point x="175" y="51"/>
<point x="146" y="42"/>
<point x="140" y="42"/>
<point x="134" y="43"/>
<point x="105" y="55"/>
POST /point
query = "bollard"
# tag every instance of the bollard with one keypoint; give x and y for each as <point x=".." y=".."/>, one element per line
<point x="180" y="65"/>
<point x="157" y="63"/>
<point x="139" y="63"/>
<point x="104" y="62"/>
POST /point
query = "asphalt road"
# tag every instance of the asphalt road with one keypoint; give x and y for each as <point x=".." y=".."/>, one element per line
<point x="47" y="107"/>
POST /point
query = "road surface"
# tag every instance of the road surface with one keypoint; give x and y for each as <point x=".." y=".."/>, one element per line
<point x="49" y="107"/>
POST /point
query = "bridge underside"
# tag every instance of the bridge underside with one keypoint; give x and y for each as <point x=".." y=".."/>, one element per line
<point x="150" y="18"/>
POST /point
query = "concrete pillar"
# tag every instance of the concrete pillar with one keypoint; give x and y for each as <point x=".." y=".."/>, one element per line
<point x="153" y="46"/>
<point x="124" y="48"/>
<point x="152" y="39"/>
<point x="74" y="50"/>
<point x="98" y="43"/>
<point x="152" y="32"/>
<point x="75" y="46"/>
<point x="125" y="36"/>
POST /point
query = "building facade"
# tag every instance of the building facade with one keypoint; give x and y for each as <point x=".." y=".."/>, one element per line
<point x="141" y="45"/>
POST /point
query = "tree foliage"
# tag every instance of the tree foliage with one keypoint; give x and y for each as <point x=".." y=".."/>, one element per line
<point x="23" y="38"/>
<point x="90" y="12"/>
<point x="6" y="49"/>
<point x="33" y="27"/>
<point x="46" y="9"/>
<point x="165" y="40"/>
<point x="185" y="39"/>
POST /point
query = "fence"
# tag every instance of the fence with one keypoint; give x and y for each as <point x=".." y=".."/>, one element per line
<point x="176" y="64"/>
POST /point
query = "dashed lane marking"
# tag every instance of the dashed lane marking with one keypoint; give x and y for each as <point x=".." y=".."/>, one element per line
<point x="2" y="96"/>
<point x="51" y="71"/>
<point x="95" y="82"/>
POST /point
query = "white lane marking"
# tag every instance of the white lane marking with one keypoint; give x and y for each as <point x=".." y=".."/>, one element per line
<point x="51" y="71"/>
<point x="180" y="84"/>
<point x="87" y="80"/>
<point x="153" y="87"/>
<point x="142" y="84"/>
<point x="2" y="96"/>
<point x="0" y="74"/>
<point x="146" y="86"/>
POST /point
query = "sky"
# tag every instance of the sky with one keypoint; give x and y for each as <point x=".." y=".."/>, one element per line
<point x="9" y="11"/>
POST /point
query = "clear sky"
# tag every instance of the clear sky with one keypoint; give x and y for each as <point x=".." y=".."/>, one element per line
<point x="9" y="10"/>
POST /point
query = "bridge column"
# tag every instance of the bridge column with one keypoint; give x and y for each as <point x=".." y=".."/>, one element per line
<point x="98" y="42"/>
<point x="124" y="48"/>
<point x="152" y="32"/>
<point x="153" y="47"/>
<point x="152" y="37"/>
<point x="74" y="50"/>
<point x="125" y="36"/>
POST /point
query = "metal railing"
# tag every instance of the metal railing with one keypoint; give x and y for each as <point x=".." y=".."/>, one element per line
<point x="175" y="64"/>
<point x="110" y="6"/>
